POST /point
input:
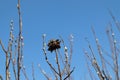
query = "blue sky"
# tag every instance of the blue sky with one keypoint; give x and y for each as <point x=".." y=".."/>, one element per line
<point x="54" y="18"/>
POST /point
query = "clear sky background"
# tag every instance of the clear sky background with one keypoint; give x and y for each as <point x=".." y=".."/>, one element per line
<point x="54" y="18"/>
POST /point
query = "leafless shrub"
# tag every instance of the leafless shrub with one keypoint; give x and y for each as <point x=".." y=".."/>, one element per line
<point x="104" y="67"/>
<point x="14" y="51"/>
<point x="63" y="63"/>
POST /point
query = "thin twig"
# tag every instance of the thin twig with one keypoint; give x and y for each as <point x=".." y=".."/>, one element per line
<point x="44" y="73"/>
<point x="89" y="70"/>
<point x="19" y="40"/>
<point x="3" y="47"/>
<point x="24" y="72"/>
<point x="58" y="64"/>
<point x="33" y="75"/>
<point x="46" y="58"/>
<point x="99" y="49"/>
<point x="114" y="19"/>
<point x="116" y="66"/>
<point x="69" y="74"/>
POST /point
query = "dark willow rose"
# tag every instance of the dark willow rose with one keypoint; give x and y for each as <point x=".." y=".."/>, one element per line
<point x="53" y="45"/>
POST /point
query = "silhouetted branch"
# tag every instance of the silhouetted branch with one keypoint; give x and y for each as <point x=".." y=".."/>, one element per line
<point x="3" y="47"/>
<point x="69" y="74"/>
<point x="19" y="40"/>
<point x="33" y="75"/>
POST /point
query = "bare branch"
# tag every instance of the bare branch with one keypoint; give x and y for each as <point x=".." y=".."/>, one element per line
<point x="24" y="72"/>
<point x="3" y="47"/>
<point x="114" y="19"/>
<point x="33" y="72"/>
<point x="69" y="74"/>
<point x="19" y="40"/>
<point x="44" y="51"/>
<point x="58" y="64"/>
<point x="44" y="73"/>
<point x="90" y="72"/>
<point x="49" y="62"/>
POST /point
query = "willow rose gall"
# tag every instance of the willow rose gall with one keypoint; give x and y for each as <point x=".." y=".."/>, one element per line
<point x="53" y="45"/>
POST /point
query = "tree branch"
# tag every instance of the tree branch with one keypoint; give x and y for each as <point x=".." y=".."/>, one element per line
<point x="69" y="74"/>
<point x="3" y="47"/>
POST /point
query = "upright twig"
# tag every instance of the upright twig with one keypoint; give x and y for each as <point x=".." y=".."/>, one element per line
<point x="62" y="70"/>
<point x="24" y="72"/>
<point x="7" y="61"/>
<point x="94" y="62"/>
<point x="89" y="70"/>
<point x="58" y="64"/>
<point x="68" y="58"/>
<point x="33" y="74"/>
<point x="99" y="49"/>
<point x="44" y="73"/>
<point x="46" y="58"/>
<point x="114" y="19"/>
<point x="8" y="52"/>
<point x="113" y="47"/>
<point x="71" y="48"/>
<point x="19" y="40"/>
<point x="116" y="66"/>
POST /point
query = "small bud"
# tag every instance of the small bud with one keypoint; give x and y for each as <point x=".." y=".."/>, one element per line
<point x="97" y="72"/>
<point x="71" y="37"/>
<point x="9" y="74"/>
<point x="113" y="34"/>
<point x="12" y="28"/>
<point x="20" y="65"/>
<point x="65" y="49"/>
<point x="44" y="35"/>
<point x="18" y="6"/>
<point x="66" y="54"/>
<point x="44" y="44"/>
<point x="96" y="39"/>
<point x="11" y="21"/>
<point x="12" y="36"/>
<point x="10" y="33"/>
<point x="43" y="71"/>
<point x="38" y="65"/>
<point x="22" y="57"/>
<point x="21" y="37"/>
<point x="115" y="41"/>
<point x="14" y="62"/>
<point x="22" y="44"/>
<point x="94" y="61"/>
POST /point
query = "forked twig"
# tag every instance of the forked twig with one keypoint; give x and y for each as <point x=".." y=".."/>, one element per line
<point x="44" y="73"/>
<point x="69" y="74"/>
